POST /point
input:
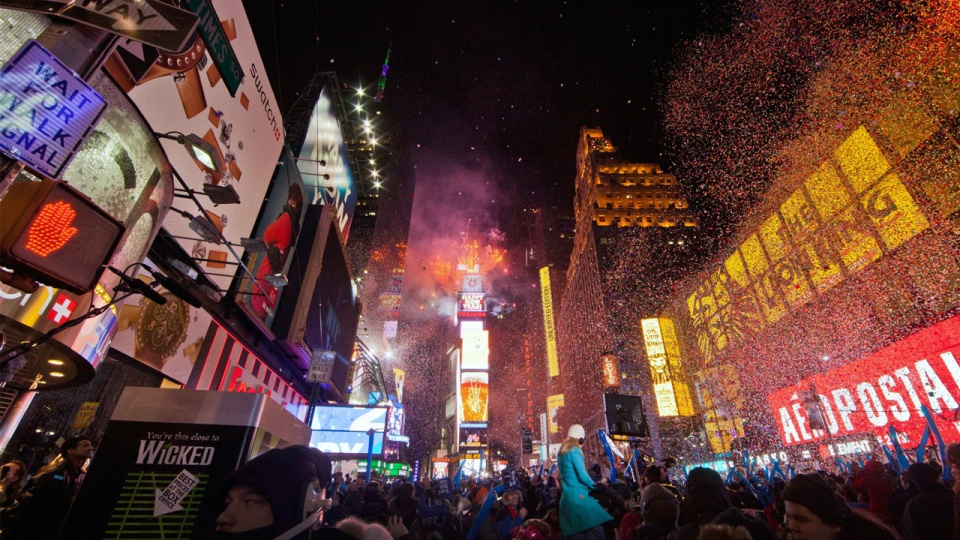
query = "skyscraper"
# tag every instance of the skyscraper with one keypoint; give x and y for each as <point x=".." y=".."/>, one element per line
<point x="634" y="236"/>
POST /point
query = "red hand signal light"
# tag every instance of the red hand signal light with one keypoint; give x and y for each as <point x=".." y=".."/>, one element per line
<point x="51" y="228"/>
<point x="53" y="234"/>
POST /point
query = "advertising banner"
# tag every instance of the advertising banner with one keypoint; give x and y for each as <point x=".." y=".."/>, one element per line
<point x="226" y="365"/>
<point x="847" y="215"/>
<point x="186" y="93"/>
<point x="167" y="338"/>
<point x="323" y="161"/>
<point x="554" y="404"/>
<point x="162" y="457"/>
<point x="475" y="352"/>
<point x="657" y="358"/>
<point x="163" y="471"/>
<point x="608" y="366"/>
<point x="342" y="430"/>
<point x="546" y="299"/>
<point x="283" y="217"/>
<point x="882" y="390"/>
<point x="474" y="393"/>
<point x="472" y="301"/>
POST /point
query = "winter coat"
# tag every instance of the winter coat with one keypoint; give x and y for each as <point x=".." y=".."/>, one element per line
<point x="877" y="487"/>
<point x="508" y="519"/>
<point x="578" y="510"/>
<point x="45" y="503"/>
<point x="929" y="515"/>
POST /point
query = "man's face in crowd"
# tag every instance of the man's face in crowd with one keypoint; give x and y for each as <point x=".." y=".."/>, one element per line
<point x="512" y="498"/>
<point x="246" y="510"/>
<point x="83" y="450"/>
<point x="802" y="524"/>
<point x="14" y="474"/>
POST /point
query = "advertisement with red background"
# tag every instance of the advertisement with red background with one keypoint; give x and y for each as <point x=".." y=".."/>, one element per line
<point x="884" y="389"/>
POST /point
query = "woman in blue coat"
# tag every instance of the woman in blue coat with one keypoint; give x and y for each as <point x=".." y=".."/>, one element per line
<point x="581" y="516"/>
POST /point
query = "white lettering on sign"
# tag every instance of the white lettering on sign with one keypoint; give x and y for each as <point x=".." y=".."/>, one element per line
<point x="168" y="500"/>
<point x="887" y="388"/>
<point x="321" y="366"/>
<point x="46" y="110"/>
<point x="160" y="452"/>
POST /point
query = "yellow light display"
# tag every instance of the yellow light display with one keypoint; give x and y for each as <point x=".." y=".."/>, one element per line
<point x="553" y="364"/>
<point x="554" y="404"/>
<point x="823" y="231"/>
<point x="657" y="358"/>
<point x="672" y="349"/>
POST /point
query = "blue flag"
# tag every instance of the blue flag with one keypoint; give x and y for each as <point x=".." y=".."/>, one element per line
<point x="484" y="510"/>
<point x="932" y="426"/>
<point x="901" y="457"/>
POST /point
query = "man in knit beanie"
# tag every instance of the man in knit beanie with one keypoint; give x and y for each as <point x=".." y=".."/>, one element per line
<point x="813" y="509"/>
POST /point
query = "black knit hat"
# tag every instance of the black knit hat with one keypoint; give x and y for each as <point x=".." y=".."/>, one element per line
<point x="813" y="492"/>
<point x="281" y="476"/>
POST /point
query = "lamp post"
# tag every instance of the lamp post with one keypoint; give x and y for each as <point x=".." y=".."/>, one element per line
<point x="370" y="433"/>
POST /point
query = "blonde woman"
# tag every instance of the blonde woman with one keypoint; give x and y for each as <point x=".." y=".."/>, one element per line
<point x="581" y="516"/>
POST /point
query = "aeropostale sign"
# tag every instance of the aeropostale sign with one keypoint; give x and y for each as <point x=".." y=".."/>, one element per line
<point x="884" y="389"/>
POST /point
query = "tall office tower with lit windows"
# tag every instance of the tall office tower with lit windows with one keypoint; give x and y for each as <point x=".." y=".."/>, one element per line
<point x="635" y="236"/>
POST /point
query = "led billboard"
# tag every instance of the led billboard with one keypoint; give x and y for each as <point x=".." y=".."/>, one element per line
<point x="324" y="164"/>
<point x="472" y="301"/>
<point x="657" y="358"/>
<point x="546" y="298"/>
<point x="848" y="214"/>
<point x="341" y="431"/>
<point x="475" y="351"/>
<point x="882" y="390"/>
<point x="554" y="404"/>
<point x="474" y="395"/>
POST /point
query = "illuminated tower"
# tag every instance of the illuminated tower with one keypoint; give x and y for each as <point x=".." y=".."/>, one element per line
<point x="634" y="234"/>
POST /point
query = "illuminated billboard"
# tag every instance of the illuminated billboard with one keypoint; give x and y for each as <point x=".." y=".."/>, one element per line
<point x="554" y="404"/>
<point x="472" y="284"/>
<point x="882" y="390"/>
<point x="472" y="301"/>
<point x="553" y="364"/>
<point x="657" y="358"/>
<point x="474" y="438"/>
<point x="608" y="367"/>
<point x="848" y="214"/>
<point x="283" y="216"/>
<point x="324" y="164"/>
<point x="475" y="351"/>
<point x="672" y="349"/>
<point x="172" y="347"/>
<point x="474" y="395"/>
<point x="185" y="93"/>
<point x="341" y="431"/>
<point x="320" y="309"/>
<point x="224" y="364"/>
<point x="467" y="327"/>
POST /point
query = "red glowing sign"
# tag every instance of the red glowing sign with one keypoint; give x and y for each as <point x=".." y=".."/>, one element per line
<point x="471" y="301"/>
<point x="884" y="389"/>
<point x="53" y="234"/>
<point x="51" y="229"/>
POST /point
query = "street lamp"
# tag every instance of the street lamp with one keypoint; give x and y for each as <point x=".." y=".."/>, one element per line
<point x="202" y="151"/>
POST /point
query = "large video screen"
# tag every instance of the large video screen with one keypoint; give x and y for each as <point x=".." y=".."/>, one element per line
<point x="342" y="430"/>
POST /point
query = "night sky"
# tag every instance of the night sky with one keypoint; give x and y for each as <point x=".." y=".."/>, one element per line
<point x="497" y="87"/>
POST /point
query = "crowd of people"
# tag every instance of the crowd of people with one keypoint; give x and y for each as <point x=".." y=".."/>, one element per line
<point x="292" y="493"/>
